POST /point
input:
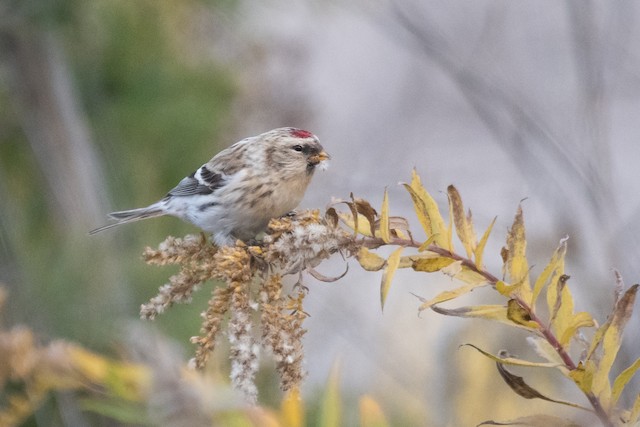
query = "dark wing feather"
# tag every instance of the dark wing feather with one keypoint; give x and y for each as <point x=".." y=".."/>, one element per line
<point x="206" y="183"/>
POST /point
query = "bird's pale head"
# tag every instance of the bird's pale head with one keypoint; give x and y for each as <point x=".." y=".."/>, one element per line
<point x="293" y="151"/>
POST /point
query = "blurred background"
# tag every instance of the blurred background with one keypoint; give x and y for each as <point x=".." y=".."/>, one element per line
<point x="107" y="104"/>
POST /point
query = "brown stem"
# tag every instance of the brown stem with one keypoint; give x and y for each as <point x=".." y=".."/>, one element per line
<point x="543" y="328"/>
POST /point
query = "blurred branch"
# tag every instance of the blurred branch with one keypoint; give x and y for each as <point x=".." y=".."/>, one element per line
<point x="589" y="55"/>
<point x="519" y="126"/>
<point x="504" y="111"/>
<point x="42" y="92"/>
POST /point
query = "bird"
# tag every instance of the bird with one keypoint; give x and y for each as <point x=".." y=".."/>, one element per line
<point x="235" y="194"/>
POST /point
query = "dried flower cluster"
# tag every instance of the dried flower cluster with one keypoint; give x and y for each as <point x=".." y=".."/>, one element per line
<point x="259" y="313"/>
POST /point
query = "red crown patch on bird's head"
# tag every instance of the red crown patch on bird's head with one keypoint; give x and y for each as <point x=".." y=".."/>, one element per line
<point x="299" y="133"/>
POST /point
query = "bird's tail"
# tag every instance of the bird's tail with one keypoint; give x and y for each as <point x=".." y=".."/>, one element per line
<point x="123" y="217"/>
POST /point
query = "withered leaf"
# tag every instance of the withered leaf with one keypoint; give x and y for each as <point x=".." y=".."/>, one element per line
<point x="611" y="342"/>
<point x="517" y="268"/>
<point x="365" y="208"/>
<point x="464" y="226"/>
<point x="541" y="420"/>
<point x="521" y="388"/>
<point x="331" y="216"/>
<point x="519" y="315"/>
<point x="321" y="277"/>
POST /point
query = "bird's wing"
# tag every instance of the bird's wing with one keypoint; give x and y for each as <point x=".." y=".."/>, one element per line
<point x="232" y="159"/>
<point x="203" y="181"/>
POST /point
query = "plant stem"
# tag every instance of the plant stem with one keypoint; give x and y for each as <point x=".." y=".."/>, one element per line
<point x="544" y="329"/>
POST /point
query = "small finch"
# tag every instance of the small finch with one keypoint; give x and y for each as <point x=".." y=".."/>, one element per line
<point x="236" y="193"/>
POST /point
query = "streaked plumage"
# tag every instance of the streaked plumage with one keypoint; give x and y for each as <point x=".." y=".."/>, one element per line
<point x="236" y="193"/>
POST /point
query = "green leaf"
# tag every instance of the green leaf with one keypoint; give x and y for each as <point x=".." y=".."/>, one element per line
<point x="119" y="410"/>
<point x="331" y="408"/>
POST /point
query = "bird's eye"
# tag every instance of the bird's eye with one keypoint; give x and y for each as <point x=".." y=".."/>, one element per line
<point x="297" y="147"/>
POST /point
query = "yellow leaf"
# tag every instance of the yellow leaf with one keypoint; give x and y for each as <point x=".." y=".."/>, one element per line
<point x="489" y="312"/>
<point x="431" y="264"/>
<point x="370" y="413"/>
<point x="546" y="351"/>
<point x="560" y="302"/>
<point x="464" y="227"/>
<point x="291" y="409"/>
<point x="519" y="315"/>
<point x="450" y="230"/>
<point x="427" y="211"/>
<point x="505" y="289"/>
<point x="496" y="313"/>
<point x="634" y="417"/>
<point x="125" y="380"/>
<point x="579" y="320"/>
<point x="622" y="380"/>
<point x="362" y="226"/>
<point x="387" y="276"/>
<point x="331" y="409"/>
<point x="597" y="339"/>
<point x="467" y="275"/>
<point x="583" y="375"/>
<point x="555" y="267"/>
<point x="423" y="247"/>
<point x="453" y="270"/>
<point x="479" y="251"/>
<point x="449" y="295"/>
<point x="516" y="266"/>
<point x="384" y="218"/>
<point x="611" y="344"/>
<point x="407" y="261"/>
<point x="512" y="360"/>
<point x="369" y="260"/>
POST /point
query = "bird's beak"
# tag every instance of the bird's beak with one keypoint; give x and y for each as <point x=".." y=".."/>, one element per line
<point x="320" y="157"/>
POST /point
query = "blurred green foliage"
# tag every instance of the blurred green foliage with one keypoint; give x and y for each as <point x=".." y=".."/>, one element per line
<point x="156" y="110"/>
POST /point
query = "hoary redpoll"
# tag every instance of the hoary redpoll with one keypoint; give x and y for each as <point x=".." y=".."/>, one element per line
<point x="236" y="193"/>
